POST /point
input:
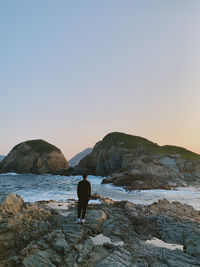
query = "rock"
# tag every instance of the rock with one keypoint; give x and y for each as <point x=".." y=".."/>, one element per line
<point x="122" y="229"/>
<point x="137" y="181"/>
<point x="108" y="245"/>
<point x="96" y="218"/>
<point x="35" y="156"/>
<point x="11" y="203"/>
<point x="137" y="163"/>
<point x="119" y="257"/>
<point x="59" y="243"/>
<point x="192" y="244"/>
<point x="20" y="223"/>
<point x="105" y="200"/>
<point x="38" y="259"/>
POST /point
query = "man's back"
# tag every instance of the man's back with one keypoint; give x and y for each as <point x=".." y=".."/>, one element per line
<point x="84" y="189"/>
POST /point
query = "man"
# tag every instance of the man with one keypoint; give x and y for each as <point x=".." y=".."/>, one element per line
<point x="84" y="193"/>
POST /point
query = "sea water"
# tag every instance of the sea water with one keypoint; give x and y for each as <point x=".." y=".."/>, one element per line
<point x="60" y="188"/>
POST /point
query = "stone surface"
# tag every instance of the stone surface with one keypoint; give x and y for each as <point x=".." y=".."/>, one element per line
<point x="137" y="163"/>
<point x="37" y="234"/>
<point x="11" y="203"/>
<point x="35" y="156"/>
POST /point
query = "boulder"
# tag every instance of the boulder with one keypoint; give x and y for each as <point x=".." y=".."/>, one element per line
<point x="11" y="203"/>
<point x="35" y="156"/>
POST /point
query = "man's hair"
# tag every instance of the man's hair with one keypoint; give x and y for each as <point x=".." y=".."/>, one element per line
<point x="85" y="176"/>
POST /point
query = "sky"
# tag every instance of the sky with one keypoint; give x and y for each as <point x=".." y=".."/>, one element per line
<point x="73" y="71"/>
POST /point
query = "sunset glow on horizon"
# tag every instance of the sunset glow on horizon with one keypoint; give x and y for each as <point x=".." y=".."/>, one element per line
<point x="73" y="71"/>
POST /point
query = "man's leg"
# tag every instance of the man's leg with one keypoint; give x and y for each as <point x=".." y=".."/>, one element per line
<point x="80" y="204"/>
<point x="85" y="203"/>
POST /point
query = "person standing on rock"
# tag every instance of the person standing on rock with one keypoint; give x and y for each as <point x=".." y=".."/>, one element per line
<point x="84" y="194"/>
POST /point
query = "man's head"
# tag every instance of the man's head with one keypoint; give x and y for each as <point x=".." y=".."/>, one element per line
<point x="85" y="176"/>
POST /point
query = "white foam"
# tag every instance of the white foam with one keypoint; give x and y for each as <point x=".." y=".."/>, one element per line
<point x="95" y="201"/>
<point x="60" y="188"/>
<point x="10" y="173"/>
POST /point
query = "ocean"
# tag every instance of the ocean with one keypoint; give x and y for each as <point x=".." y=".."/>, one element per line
<point x="33" y="187"/>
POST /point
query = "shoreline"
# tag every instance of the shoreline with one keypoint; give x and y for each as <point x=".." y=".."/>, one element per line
<point x="33" y="188"/>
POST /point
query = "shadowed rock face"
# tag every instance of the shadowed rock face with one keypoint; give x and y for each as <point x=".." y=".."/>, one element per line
<point x="36" y="156"/>
<point x="45" y="234"/>
<point x="138" y="163"/>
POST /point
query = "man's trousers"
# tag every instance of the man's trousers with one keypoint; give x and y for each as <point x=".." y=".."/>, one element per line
<point x="82" y="206"/>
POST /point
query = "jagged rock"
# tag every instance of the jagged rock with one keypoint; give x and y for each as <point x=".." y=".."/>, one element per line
<point x="59" y="243"/>
<point x="11" y="203"/>
<point x="39" y="259"/>
<point x="35" y="156"/>
<point x="35" y="236"/>
<point x="97" y="217"/>
<point x="137" y="163"/>
<point x="119" y="257"/>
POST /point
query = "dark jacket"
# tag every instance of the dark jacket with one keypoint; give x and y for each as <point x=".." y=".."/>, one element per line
<point x="84" y="189"/>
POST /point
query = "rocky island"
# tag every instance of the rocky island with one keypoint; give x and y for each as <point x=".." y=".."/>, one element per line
<point x="34" y="156"/>
<point x="115" y="234"/>
<point x="137" y="163"/>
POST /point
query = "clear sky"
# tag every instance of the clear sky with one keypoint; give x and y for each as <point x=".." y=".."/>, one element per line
<point x="73" y="71"/>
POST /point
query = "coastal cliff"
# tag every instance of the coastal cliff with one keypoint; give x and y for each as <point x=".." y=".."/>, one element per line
<point x="115" y="234"/>
<point x="137" y="163"/>
<point x="34" y="156"/>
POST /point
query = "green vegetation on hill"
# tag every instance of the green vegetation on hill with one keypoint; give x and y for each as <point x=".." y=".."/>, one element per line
<point x="131" y="142"/>
<point x="177" y="150"/>
<point x="40" y="146"/>
<point x="126" y="141"/>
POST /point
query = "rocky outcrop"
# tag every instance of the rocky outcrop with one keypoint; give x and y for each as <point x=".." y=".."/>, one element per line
<point x="36" y="156"/>
<point x="137" y="163"/>
<point x="115" y="234"/>
<point x="76" y="159"/>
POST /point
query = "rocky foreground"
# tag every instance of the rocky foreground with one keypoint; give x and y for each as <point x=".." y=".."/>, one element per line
<point x="115" y="234"/>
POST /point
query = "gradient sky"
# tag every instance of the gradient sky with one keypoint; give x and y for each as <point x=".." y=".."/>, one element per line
<point x="73" y="71"/>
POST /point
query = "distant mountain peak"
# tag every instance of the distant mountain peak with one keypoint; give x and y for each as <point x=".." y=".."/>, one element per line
<point x="76" y="159"/>
<point x="1" y="157"/>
